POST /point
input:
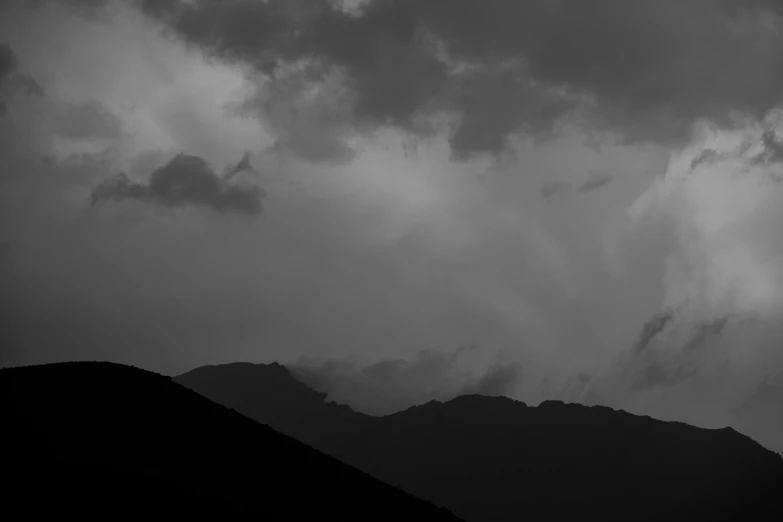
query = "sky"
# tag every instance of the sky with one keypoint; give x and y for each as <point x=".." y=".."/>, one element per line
<point x="404" y="200"/>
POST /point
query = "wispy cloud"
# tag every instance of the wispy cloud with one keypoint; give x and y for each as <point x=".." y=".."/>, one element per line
<point x="652" y="328"/>
<point x="597" y="180"/>
<point x="392" y="385"/>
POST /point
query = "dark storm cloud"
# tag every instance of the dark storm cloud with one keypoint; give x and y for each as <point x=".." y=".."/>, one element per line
<point x="185" y="180"/>
<point x="649" y="67"/>
<point x="314" y="129"/>
<point x="495" y="103"/>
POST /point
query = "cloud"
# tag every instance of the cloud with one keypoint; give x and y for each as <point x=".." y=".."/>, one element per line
<point x="10" y="75"/>
<point x="499" y="380"/>
<point x="652" y="328"/>
<point x="760" y="413"/>
<point x="9" y="62"/>
<point x="242" y="166"/>
<point x="670" y="349"/>
<point x="767" y="395"/>
<point x="655" y="360"/>
<point x="40" y="122"/>
<point x="393" y="385"/>
<point x="773" y="149"/>
<point x="597" y="180"/>
<point x="702" y="356"/>
<point x="184" y="180"/>
<point x="707" y="155"/>
<point x="551" y="189"/>
<point x="102" y="61"/>
<point x="82" y="121"/>
<point x="558" y="188"/>
<point x="29" y="86"/>
<point x="646" y="70"/>
<point x="655" y="374"/>
<point x="46" y="125"/>
<point x="705" y="332"/>
<point x="727" y="258"/>
<point x="308" y="119"/>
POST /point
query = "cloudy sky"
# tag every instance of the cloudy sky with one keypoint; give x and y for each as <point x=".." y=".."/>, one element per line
<point x="404" y="199"/>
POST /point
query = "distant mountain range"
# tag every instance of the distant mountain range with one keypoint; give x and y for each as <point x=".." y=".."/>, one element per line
<point x="101" y="441"/>
<point x="492" y="458"/>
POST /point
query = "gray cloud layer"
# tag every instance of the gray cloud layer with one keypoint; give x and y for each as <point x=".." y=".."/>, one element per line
<point x="649" y="68"/>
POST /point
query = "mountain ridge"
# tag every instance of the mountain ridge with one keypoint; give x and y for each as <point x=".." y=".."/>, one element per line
<point x="100" y="440"/>
<point x="494" y="458"/>
<point x="544" y="406"/>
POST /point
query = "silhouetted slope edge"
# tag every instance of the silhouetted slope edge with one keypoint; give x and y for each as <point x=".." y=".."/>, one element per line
<point x="107" y="440"/>
<point x="493" y="458"/>
<point x="269" y="394"/>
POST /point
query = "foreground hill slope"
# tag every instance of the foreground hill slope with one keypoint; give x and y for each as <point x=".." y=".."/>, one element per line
<point x="492" y="458"/>
<point x="101" y="440"/>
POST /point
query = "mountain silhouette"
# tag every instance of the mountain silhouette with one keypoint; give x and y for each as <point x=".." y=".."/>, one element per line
<point x="102" y="440"/>
<point x="269" y="394"/>
<point x="493" y="458"/>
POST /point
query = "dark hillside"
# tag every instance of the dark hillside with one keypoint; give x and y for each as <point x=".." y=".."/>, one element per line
<point x="106" y="441"/>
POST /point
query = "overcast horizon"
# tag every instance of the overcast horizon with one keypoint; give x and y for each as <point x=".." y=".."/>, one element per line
<point x="404" y="200"/>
